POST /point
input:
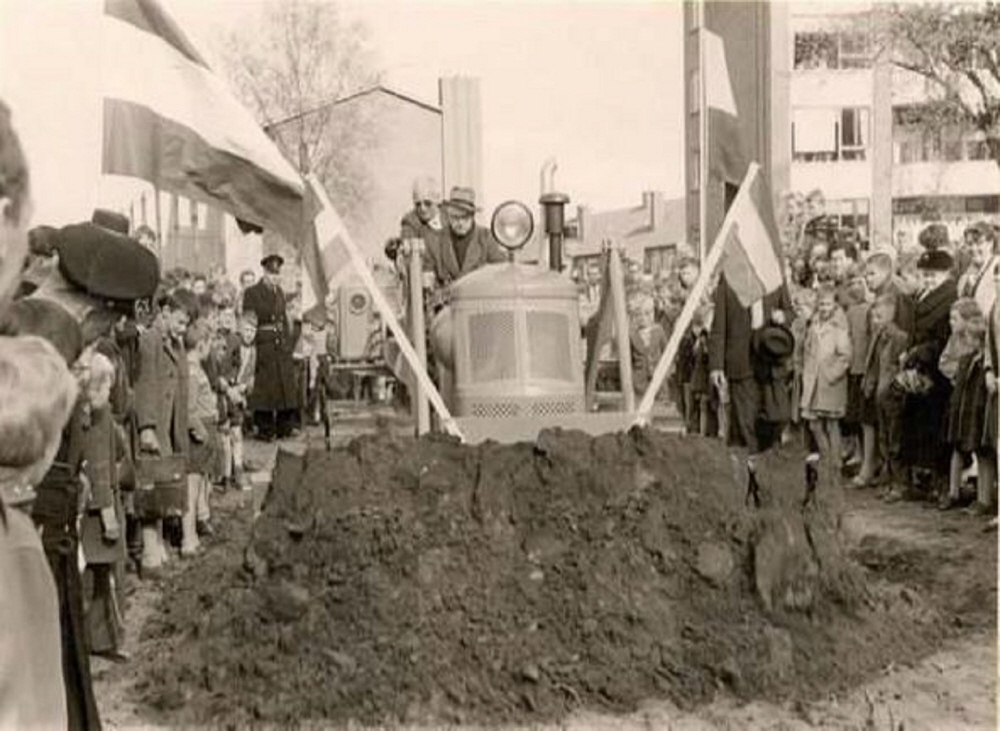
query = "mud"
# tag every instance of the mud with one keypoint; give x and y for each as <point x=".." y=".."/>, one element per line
<point x="402" y="581"/>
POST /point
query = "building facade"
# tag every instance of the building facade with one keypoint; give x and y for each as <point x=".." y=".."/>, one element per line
<point x="842" y="123"/>
<point x="650" y="234"/>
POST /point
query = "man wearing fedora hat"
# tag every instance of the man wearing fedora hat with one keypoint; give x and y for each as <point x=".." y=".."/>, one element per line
<point x="469" y="245"/>
<point x="273" y="400"/>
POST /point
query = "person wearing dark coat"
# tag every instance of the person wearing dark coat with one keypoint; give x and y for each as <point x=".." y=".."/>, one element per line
<point x="468" y="246"/>
<point x="98" y="274"/>
<point x="428" y="220"/>
<point x="922" y="443"/>
<point x="274" y="400"/>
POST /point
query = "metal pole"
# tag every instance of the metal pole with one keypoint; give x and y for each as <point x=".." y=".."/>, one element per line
<point x="418" y="330"/>
<point x="617" y="280"/>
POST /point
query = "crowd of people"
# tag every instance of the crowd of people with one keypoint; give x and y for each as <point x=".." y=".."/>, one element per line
<point x="126" y="394"/>
<point x="883" y="362"/>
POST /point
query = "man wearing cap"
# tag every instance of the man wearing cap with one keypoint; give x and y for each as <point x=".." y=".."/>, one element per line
<point x="98" y="274"/>
<point x="922" y="445"/>
<point x="977" y="280"/>
<point x="468" y="247"/>
<point x="274" y="399"/>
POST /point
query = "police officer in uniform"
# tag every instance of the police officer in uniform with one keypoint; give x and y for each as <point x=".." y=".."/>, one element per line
<point x="274" y="400"/>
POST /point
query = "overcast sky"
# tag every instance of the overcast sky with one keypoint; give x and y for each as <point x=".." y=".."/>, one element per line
<point x="596" y="84"/>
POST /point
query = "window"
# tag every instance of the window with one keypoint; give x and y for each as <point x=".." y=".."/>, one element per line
<point x="852" y="213"/>
<point x="831" y="50"/>
<point x="977" y="150"/>
<point x="658" y="259"/>
<point x="853" y="133"/>
<point x="829" y="135"/>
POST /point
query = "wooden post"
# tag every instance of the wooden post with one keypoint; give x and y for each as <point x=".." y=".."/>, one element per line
<point x="694" y="298"/>
<point x="418" y="328"/>
<point x="616" y="278"/>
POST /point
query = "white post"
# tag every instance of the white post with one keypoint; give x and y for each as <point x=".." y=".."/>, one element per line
<point x="694" y="298"/>
<point x="616" y="279"/>
<point x="418" y="328"/>
<point x="447" y="420"/>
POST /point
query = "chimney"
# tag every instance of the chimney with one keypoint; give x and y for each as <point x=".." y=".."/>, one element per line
<point x="649" y="206"/>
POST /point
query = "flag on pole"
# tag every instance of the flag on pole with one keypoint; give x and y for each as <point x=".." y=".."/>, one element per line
<point x="170" y="120"/>
<point x="750" y="261"/>
<point x="726" y="158"/>
<point x="325" y="257"/>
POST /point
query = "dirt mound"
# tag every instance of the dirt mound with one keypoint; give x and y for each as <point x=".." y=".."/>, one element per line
<point x="427" y="581"/>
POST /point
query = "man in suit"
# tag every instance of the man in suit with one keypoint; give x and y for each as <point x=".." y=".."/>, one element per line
<point x="274" y="399"/>
<point x="740" y="372"/>
<point x="469" y="245"/>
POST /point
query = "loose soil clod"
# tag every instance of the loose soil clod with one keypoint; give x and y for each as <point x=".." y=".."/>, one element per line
<point x="401" y="580"/>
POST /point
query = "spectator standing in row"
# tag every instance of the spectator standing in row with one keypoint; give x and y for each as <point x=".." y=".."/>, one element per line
<point x="274" y="400"/>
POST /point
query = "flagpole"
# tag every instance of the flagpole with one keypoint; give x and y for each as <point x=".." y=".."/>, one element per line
<point x="693" y="300"/>
<point x="447" y="420"/>
<point x="702" y="136"/>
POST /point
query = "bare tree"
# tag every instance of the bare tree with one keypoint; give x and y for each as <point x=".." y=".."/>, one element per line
<point x="295" y="67"/>
<point x="956" y="48"/>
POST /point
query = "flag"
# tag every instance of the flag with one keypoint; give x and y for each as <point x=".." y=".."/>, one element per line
<point x="324" y="252"/>
<point x="170" y="120"/>
<point x="600" y="329"/>
<point x="726" y="158"/>
<point x="750" y="260"/>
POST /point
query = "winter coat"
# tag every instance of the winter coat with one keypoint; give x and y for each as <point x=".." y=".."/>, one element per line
<point x="922" y="442"/>
<point x="274" y="379"/>
<point x="102" y="451"/>
<point x="161" y="390"/>
<point x="482" y="249"/>
<point x="730" y="342"/>
<point x="32" y="692"/>
<point x="827" y="359"/>
<point x="882" y="361"/>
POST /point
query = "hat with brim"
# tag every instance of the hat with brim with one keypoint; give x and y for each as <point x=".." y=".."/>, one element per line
<point x="272" y="262"/>
<point x="105" y="264"/>
<point x="776" y="342"/>
<point x="462" y="199"/>
<point x="935" y="261"/>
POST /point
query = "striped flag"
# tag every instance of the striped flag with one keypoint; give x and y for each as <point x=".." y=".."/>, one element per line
<point x="324" y="250"/>
<point x="726" y="158"/>
<point x="750" y="261"/>
<point x="170" y="120"/>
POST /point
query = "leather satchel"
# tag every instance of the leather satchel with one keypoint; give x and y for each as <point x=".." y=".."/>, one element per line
<point x="160" y="486"/>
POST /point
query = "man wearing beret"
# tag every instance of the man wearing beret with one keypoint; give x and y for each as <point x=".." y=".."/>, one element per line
<point x="274" y="400"/>
<point x="922" y="444"/>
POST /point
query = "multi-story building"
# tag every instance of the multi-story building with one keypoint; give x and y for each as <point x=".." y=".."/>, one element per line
<point x="842" y="122"/>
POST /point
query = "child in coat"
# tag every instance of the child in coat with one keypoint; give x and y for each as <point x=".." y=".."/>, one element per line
<point x="826" y="360"/>
<point x="963" y="362"/>
<point x="648" y="341"/>
<point x="888" y="342"/>
<point x="203" y="417"/>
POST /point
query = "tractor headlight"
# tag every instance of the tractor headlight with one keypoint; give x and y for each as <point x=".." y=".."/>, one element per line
<point x="512" y="225"/>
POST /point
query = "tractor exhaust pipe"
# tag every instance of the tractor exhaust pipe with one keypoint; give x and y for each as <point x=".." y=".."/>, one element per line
<point x="553" y="214"/>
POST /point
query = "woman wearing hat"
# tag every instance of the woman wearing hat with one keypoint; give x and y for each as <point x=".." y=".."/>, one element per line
<point x="922" y="446"/>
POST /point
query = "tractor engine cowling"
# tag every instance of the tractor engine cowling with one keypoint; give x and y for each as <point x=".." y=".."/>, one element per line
<point x="511" y="342"/>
